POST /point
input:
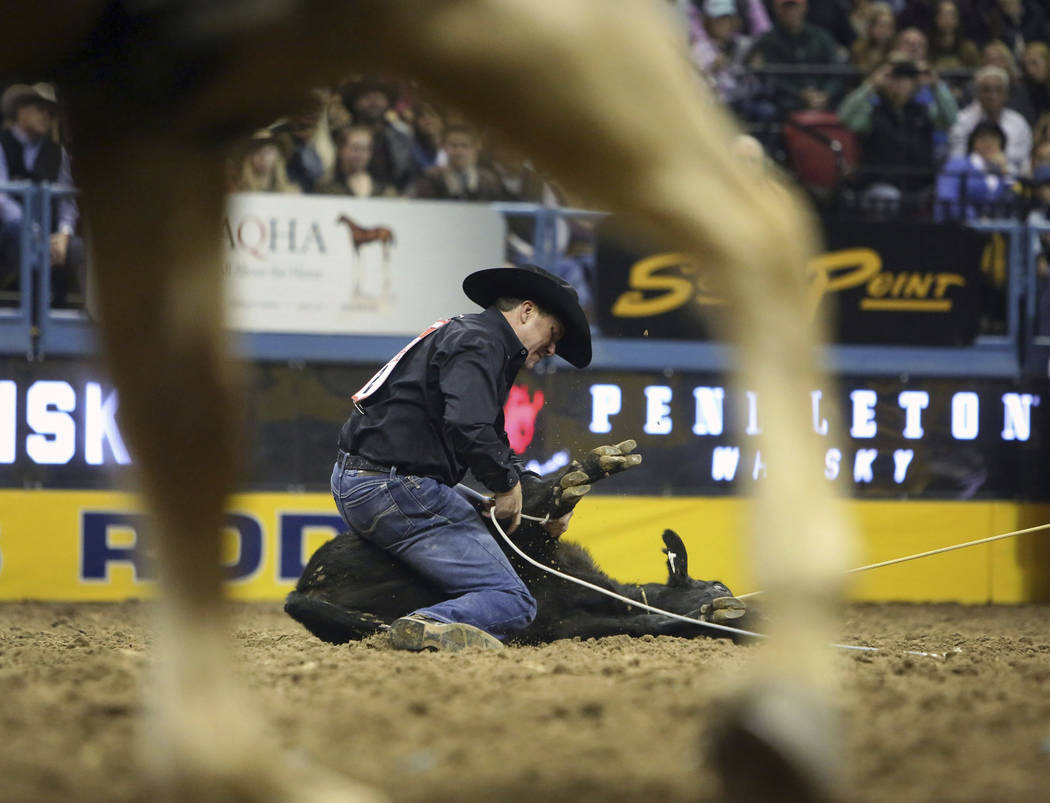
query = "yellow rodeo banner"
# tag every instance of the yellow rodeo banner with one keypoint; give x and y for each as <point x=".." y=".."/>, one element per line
<point x="94" y="545"/>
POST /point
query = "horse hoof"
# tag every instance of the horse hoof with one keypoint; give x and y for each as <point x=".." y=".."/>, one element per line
<point x="777" y="743"/>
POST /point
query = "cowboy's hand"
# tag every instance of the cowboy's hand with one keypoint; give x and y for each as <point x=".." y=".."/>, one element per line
<point x="508" y="506"/>
<point x="59" y="244"/>
<point x="557" y="527"/>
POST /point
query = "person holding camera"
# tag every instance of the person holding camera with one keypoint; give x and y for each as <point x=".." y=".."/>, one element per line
<point x="897" y="130"/>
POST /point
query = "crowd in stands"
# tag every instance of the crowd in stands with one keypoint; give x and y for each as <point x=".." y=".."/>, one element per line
<point x="374" y="138"/>
<point x="944" y="104"/>
<point x="907" y="80"/>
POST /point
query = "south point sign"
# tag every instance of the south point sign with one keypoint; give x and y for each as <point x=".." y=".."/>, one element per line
<point x="897" y="418"/>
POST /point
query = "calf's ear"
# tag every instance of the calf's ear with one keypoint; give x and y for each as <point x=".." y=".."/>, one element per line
<point x="677" y="559"/>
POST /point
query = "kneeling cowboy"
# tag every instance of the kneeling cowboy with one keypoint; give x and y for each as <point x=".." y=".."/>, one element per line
<point x="434" y="411"/>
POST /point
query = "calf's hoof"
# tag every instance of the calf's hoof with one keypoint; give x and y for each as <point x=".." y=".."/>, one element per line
<point x="722" y="610"/>
<point x="415" y="632"/>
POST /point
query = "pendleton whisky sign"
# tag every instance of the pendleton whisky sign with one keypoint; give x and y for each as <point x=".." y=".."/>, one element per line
<point x="914" y="437"/>
<point x="911" y="283"/>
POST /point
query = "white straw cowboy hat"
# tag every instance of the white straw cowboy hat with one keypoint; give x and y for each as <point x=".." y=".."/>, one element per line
<point x="553" y="294"/>
<point x="18" y="95"/>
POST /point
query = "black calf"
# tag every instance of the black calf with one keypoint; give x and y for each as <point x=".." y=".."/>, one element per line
<point x="350" y="589"/>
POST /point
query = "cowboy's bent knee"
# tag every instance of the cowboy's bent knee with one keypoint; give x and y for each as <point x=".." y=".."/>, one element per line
<point x="523" y="608"/>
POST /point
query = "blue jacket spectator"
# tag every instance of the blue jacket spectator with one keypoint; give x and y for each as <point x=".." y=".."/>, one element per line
<point x="979" y="184"/>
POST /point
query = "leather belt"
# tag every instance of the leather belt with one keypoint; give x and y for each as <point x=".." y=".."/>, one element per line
<point x="362" y="465"/>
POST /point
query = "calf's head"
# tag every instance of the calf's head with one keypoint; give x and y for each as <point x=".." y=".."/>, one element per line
<point x="685" y="593"/>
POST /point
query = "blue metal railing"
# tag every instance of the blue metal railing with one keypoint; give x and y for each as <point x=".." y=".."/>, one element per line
<point x="62" y="331"/>
<point x="17" y="331"/>
<point x="30" y="326"/>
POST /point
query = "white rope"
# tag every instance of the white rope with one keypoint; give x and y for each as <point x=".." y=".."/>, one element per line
<point x="645" y="606"/>
<point x="927" y="554"/>
<point x="613" y="594"/>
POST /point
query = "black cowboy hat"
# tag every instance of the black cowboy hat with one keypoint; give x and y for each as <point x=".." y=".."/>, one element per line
<point x="553" y="294"/>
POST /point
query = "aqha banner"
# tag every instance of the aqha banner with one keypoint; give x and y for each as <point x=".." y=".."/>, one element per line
<point x="335" y="265"/>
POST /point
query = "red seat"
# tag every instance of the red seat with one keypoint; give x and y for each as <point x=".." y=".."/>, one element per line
<point x="813" y="161"/>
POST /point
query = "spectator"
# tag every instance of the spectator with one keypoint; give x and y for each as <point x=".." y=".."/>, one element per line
<point x="949" y="47"/>
<point x="28" y="153"/>
<point x="370" y="101"/>
<point x="1016" y="23"/>
<point x="1040" y="211"/>
<point x="992" y="89"/>
<point x="338" y="115"/>
<point x="980" y="183"/>
<point x="519" y="179"/>
<point x="1035" y="82"/>
<point x="754" y="21"/>
<point x="260" y="167"/>
<point x="997" y="54"/>
<point x="872" y="46"/>
<point x="913" y="44"/>
<point x="566" y="246"/>
<point x="428" y="129"/>
<point x="1041" y="129"/>
<point x="1040" y="154"/>
<point x="922" y="14"/>
<point x="858" y="16"/>
<point x="1039" y="215"/>
<point x="897" y="130"/>
<point x="720" y="54"/>
<point x="833" y="17"/>
<point x="462" y="179"/>
<point x="793" y="41"/>
<point x="349" y="174"/>
<point x="302" y="142"/>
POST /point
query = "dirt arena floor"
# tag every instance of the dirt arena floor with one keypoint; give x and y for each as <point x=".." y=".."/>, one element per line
<point x="609" y="720"/>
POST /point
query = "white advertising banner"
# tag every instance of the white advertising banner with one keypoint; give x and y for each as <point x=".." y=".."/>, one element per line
<point x="333" y="265"/>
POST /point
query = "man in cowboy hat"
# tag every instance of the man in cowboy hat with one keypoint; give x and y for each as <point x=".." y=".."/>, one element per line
<point x="27" y="153"/>
<point x="434" y="411"/>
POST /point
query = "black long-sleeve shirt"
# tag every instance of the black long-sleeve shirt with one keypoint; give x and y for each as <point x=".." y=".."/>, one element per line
<point x="440" y="411"/>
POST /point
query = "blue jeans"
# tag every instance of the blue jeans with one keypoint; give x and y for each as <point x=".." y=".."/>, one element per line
<point x="433" y="529"/>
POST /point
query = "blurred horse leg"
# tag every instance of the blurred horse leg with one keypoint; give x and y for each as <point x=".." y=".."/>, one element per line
<point x="159" y="297"/>
<point x="152" y="191"/>
<point x="154" y="206"/>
